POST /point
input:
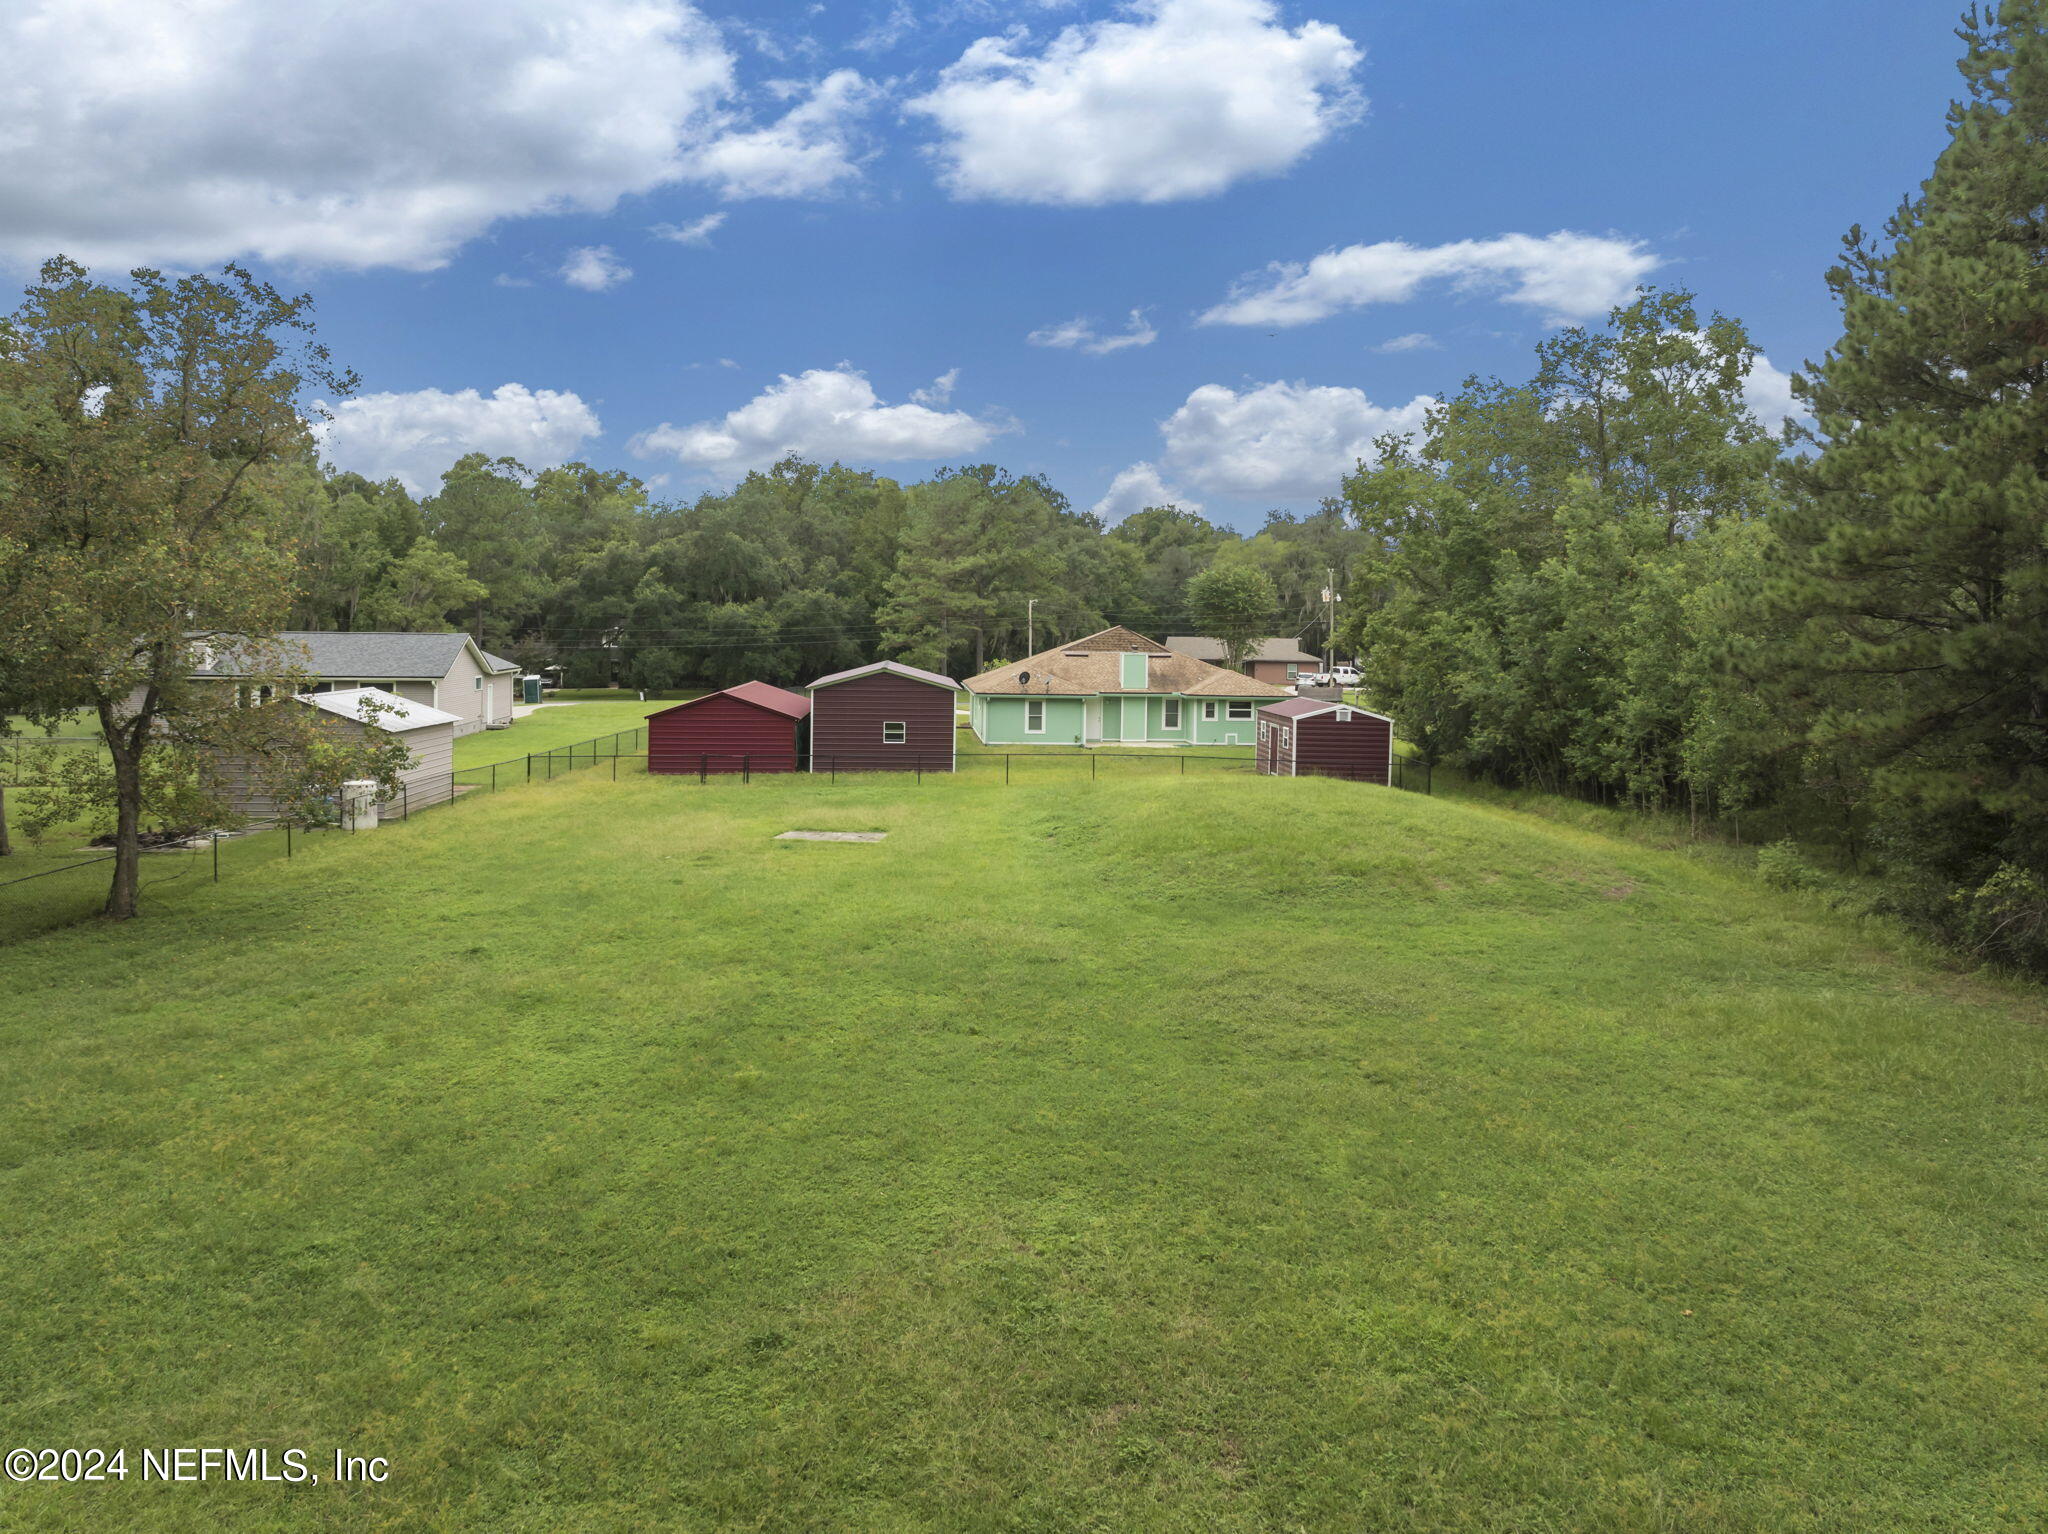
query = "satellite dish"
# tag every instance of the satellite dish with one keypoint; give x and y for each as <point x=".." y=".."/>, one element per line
<point x="1023" y="679"/>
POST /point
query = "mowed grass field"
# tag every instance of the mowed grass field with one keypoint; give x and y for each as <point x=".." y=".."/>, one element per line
<point x="1143" y="1153"/>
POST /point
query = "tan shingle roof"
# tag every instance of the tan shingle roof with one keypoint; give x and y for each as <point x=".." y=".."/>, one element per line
<point x="1095" y="665"/>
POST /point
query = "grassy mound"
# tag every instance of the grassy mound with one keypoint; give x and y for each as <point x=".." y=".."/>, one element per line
<point x="1196" y="1153"/>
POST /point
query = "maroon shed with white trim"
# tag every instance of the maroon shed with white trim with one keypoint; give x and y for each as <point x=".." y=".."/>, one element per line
<point x="885" y="717"/>
<point x="752" y="728"/>
<point x="1307" y="737"/>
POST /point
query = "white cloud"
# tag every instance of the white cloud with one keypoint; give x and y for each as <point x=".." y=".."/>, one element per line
<point x="888" y="31"/>
<point x="384" y="132"/>
<point x="377" y="133"/>
<point x="1414" y="341"/>
<point x="940" y="394"/>
<point x="825" y="413"/>
<point x="697" y="231"/>
<point x="1564" y="276"/>
<point x="1182" y="99"/>
<point x="1081" y="335"/>
<point x="1282" y="440"/>
<point x="1136" y="488"/>
<point x="1767" y="391"/>
<point x="415" y="437"/>
<point x="808" y="151"/>
<point x="594" y="268"/>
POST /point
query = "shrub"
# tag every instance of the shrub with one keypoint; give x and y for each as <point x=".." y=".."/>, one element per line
<point x="1782" y="868"/>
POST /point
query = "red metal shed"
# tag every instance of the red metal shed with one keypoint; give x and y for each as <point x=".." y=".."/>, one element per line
<point x="1334" y="740"/>
<point x="749" y="728"/>
<point x="886" y="717"/>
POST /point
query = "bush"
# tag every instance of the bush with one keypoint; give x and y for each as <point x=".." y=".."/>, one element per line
<point x="2006" y="918"/>
<point x="1781" y="867"/>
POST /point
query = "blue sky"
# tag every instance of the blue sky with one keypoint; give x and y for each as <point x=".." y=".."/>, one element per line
<point x="681" y="240"/>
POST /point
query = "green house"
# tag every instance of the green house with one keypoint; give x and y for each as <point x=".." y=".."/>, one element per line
<point x="1116" y="687"/>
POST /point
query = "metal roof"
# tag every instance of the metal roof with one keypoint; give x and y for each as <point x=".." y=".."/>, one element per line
<point x="779" y="699"/>
<point x="895" y="666"/>
<point x="393" y="713"/>
<point x="1203" y="648"/>
<point x="1302" y="708"/>
<point x="356" y="656"/>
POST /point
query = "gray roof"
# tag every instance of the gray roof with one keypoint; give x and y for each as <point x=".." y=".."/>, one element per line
<point x="895" y="667"/>
<point x="373" y="657"/>
<point x="1212" y="649"/>
<point x="392" y="714"/>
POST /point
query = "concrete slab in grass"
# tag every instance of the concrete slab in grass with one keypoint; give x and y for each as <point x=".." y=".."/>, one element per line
<point x="831" y="836"/>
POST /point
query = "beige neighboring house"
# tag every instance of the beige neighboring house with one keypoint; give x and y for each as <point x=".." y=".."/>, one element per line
<point x="1278" y="661"/>
<point x="429" y="737"/>
<point x="449" y="672"/>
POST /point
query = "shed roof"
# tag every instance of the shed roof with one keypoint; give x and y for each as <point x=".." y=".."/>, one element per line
<point x="1095" y="665"/>
<point x="393" y="713"/>
<point x="895" y="667"/>
<point x="1302" y="708"/>
<point x="371" y="654"/>
<point x="780" y="700"/>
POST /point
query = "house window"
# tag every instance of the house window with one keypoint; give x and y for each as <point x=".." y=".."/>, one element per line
<point x="1293" y="670"/>
<point x="1209" y="713"/>
<point x="477" y="683"/>
<point x="1034" y="716"/>
<point x="894" y="732"/>
<point x="1240" y="711"/>
<point x="1169" y="717"/>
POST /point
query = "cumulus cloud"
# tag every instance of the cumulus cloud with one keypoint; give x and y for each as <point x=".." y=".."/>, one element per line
<point x="1284" y="440"/>
<point x="415" y="437"/>
<point x="380" y="133"/>
<point x="1137" y="487"/>
<point x="1767" y="391"/>
<point x="697" y="231"/>
<point x="1081" y="335"/>
<point x="1181" y="99"/>
<point x="807" y="151"/>
<point x="594" y="268"/>
<point x="825" y="413"/>
<point x="940" y="392"/>
<point x="1564" y="276"/>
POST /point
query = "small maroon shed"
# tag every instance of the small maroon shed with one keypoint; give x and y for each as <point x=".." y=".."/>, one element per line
<point x="887" y="717"/>
<point x="1320" y="739"/>
<point x="749" y="728"/>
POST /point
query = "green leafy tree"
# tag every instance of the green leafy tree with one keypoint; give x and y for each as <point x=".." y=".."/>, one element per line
<point x="418" y="591"/>
<point x="1917" y="553"/>
<point x="139" y="529"/>
<point x="1236" y="604"/>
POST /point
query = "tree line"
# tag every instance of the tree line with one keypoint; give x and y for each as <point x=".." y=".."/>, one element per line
<point x="1606" y="578"/>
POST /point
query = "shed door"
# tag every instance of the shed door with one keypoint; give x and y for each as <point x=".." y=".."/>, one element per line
<point x="1092" y="720"/>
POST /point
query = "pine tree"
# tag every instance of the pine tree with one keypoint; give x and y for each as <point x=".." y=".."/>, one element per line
<point x="1919" y="553"/>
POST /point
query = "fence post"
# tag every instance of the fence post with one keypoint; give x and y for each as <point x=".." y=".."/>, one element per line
<point x="1183" y="766"/>
<point x="405" y="799"/>
<point x="703" y="767"/>
<point x="1092" y="761"/>
<point x="287" y="840"/>
<point x="746" y="766"/>
<point x="1006" y="769"/>
<point x="835" y="768"/>
<point x="615" y="766"/>
<point x="494" y="781"/>
<point x="920" y="769"/>
<point x="529" y="766"/>
<point x="216" y="857"/>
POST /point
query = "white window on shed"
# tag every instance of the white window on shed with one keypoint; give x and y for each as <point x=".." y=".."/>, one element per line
<point x="894" y="732"/>
<point x="1343" y="716"/>
<point x="1263" y="729"/>
<point x="1034" y="716"/>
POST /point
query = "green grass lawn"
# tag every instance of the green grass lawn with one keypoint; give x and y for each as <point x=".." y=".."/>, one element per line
<point x="1210" y="1154"/>
<point x="553" y="726"/>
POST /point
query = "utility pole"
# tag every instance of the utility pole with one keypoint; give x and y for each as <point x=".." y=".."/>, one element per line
<point x="1330" y="619"/>
<point x="1031" y="626"/>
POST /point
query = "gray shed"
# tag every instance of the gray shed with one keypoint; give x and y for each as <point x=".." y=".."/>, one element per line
<point x="428" y="733"/>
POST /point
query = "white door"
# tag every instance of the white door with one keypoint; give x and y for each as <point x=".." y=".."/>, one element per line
<point x="1091" y="727"/>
